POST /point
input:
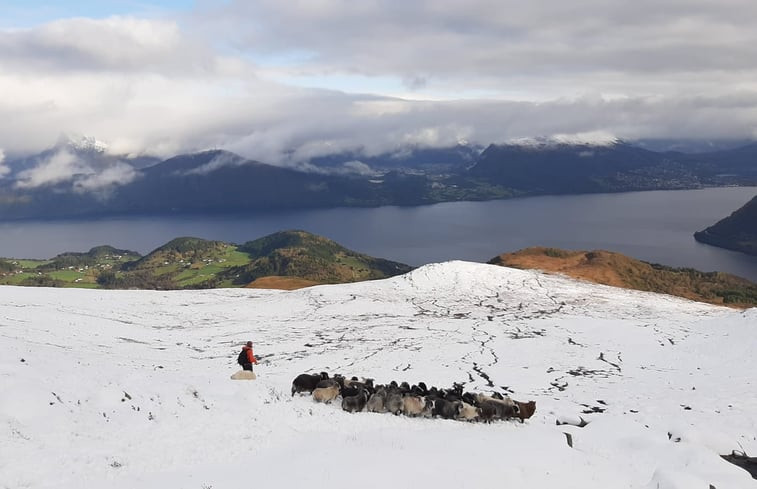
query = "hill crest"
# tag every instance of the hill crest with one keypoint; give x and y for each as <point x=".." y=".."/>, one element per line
<point x="618" y="270"/>
<point x="287" y="260"/>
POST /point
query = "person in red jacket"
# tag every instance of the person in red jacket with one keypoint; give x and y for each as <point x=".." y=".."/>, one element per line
<point x="246" y="357"/>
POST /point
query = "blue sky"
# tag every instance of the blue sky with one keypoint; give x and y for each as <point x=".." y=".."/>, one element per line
<point x="27" y="13"/>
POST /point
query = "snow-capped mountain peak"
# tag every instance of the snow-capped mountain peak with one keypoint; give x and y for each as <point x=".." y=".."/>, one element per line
<point x="80" y="142"/>
<point x="594" y="138"/>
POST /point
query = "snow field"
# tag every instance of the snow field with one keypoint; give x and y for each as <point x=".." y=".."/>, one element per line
<point x="131" y="388"/>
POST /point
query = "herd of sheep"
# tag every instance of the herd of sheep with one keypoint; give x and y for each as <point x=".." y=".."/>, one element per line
<point x="416" y="400"/>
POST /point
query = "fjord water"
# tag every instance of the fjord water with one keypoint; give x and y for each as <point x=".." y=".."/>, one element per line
<point x="651" y="226"/>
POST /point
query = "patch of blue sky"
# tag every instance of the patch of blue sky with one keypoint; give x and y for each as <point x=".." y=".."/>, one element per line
<point x="28" y="13"/>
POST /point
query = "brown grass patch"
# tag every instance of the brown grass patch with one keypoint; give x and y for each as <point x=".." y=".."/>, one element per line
<point x="617" y="270"/>
<point x="281" y="283"/>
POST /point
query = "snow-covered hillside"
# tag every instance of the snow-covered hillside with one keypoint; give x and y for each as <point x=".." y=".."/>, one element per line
<point x="126" y="389"/>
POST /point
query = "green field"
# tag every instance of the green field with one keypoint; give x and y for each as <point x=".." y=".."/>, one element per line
<point x="197" y="263"/>
<point x="69" y="275"/>
<point x="201" y="272"/>
<point x="29" y="264"/>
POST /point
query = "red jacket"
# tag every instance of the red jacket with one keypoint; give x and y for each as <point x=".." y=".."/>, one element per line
<point x="250" y="355"/>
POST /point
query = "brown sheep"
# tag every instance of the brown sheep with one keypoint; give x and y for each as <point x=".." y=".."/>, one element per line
<point x="525" y="409"/>
<point x="413" y="405"/>
<point x="326" y="394"/>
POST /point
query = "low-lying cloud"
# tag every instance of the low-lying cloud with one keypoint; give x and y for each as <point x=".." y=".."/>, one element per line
<point x="79" y="174"/>
<point x="266" y="79"/>
<point x="4" y="169"/>
<point x="220" y="161"/>
<point x="61" y="166"/>
<point x="104" y="181"/>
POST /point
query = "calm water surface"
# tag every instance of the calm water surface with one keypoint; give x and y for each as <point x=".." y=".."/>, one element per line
<point x="652" y="226"/>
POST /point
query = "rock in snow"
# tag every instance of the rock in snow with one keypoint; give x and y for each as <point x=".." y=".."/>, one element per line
<point x="124" y="389"/>
<point x="243" y="375"/>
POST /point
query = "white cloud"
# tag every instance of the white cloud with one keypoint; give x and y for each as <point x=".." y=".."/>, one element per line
<point x="4" y="170"/>
<point x="354" y="167"/>
<point x="480" y="70"/>
<point x="502" y="44"/>
<point x="104" y="181"/>
<point x="220" y="161"/>
<point x="59" y="167"/>
<point x="117" y="44"/>
<point x="85" y="175"/>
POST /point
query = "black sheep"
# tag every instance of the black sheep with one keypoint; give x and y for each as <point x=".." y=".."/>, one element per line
<point x="419" y="390"/>
<point x="307" y="382"/>
<point x="354" y="404"/>
<point x="496" y="409"/>
<point x="470" y="398"/>
<point x="433" y="393"/>
<point x="455" y="393"/>
<point x="367" y="384"/>
<point x="447" y="409"/>
<point x="351" y="390"/>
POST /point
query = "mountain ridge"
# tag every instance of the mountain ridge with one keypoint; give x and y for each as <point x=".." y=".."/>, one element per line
<point x="218" y="181"/>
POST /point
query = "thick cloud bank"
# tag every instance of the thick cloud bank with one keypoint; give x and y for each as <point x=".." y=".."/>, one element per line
<point x="281" y="82"/>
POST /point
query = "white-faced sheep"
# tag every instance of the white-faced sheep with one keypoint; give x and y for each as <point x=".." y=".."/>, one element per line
<point x="468" y="413"/>
<point x="326" y="394"/>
